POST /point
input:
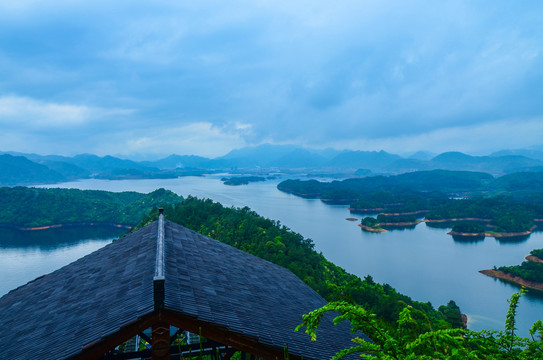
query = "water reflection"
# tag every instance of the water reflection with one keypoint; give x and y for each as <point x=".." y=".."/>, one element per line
<point x="53" y="239"/>
<point x="399" y="227"/>
<point x="468" y="239"/>
<point x="512" y="240"/>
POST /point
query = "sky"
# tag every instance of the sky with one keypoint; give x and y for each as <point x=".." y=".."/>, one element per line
<point x="151" y="78"/>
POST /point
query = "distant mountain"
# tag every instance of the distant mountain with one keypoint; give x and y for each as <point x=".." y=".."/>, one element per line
<point x="492" y="164"/>
<point x="257" y="155"/>
<point x="298" y="158"/>
<point x="58" y="163"/>
<point x="69" y="171"/>
<point x="107" y="164"/>
<point x="281" y="156"/>
<point x="422" y="155"/>
<point x="180" y="161"/>
<point x="408" y="165"/>
<point x="362" y="159"/>
<point x="18" y="170"/>
<point x="532" y="154"/>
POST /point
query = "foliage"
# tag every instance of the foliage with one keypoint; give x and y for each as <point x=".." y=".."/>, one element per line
<point x="268" y="239"/>
<point x="241" y="180"/>
<point x="537" y="253"/>
<point x="381" y="218"/>
<point x="32" y="207"/>
<point x="511" y="206"/>
<point x="418" y="182"/>
<point x="413" y="337"/>
<point x="369" y="221"/>
<point x="468" y="227"/>
<point x="528" y="270"/>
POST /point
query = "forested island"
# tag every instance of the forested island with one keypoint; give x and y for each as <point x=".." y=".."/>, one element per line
<point x="528" y="274"/>
<point x="473" y="204"/>
<point x="34" y="208"/>
<point x="241" y="180"/>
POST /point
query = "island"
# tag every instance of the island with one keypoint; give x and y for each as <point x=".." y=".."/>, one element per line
<point x="528" y="274"/>
<point x="473" y="204"/>
<point x="389" y="221"/>
<point x="241" y="180"/>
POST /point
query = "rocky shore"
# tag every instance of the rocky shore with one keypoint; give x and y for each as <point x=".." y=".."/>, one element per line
<point x="70" y="225"/>
<point x="514" y="279"/>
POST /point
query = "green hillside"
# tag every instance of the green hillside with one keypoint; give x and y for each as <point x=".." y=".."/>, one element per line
<point x="268" y="239"/>
<point x="32" y="207"/>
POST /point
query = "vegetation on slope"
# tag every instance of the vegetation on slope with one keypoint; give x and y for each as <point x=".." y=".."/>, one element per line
<point x="537" y="253"/>
<point x="268" y="239"/>
<point x="413" y="337"/>
<point x="32" y="207"/>
<point x="468" y="228"/>
<point x="505" y="205"/>
<point x="528" y="270"/>
<point x="242" y="180"/>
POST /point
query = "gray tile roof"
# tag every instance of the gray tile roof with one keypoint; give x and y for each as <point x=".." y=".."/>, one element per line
<point x="55" y="316"/>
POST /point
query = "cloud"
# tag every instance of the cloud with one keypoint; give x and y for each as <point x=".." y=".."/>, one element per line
<point x="35" y="114"/>
<point x="478" y="139"/>
<point x="193" y="138"/>
<point x="306" y="72"/>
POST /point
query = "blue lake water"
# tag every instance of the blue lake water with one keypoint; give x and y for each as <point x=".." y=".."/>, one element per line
<point x="424" y="263"/>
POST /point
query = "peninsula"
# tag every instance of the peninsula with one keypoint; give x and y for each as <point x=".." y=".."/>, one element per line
<point x="528" y="274"/>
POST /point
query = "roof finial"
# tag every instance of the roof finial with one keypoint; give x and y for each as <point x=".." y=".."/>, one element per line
<point x="161" y="211"/>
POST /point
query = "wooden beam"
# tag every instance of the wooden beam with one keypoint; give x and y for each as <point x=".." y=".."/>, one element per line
<point x="224" y="336"/>
<point x="98" y="348"/>
<point x="160" y="341"/>
<point x="165" y="318"/>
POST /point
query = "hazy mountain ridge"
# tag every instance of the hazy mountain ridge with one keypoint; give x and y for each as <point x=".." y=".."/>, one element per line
<point x="23" y="169"/>
<point x="18" y="170"/>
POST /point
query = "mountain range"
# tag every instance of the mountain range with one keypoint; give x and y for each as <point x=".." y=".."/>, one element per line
<point x="25" y="169"/>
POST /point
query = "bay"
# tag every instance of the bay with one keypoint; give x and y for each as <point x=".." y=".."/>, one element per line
<point x="424" y="263"/>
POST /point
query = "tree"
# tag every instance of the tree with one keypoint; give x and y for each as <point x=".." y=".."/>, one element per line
<point x="414" y="338"/>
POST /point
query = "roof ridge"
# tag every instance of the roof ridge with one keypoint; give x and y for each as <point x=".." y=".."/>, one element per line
<point x="159" y="278"/>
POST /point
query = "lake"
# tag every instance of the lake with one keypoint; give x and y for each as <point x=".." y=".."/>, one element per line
<point x="424" y="263"/>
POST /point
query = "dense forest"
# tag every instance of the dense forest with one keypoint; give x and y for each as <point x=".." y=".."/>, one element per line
<point x="509" y="204"/>
<point x="32" y="207"/>
<point x="268" y="239"/>
<point x="242" y="180"/>
<point x="528" y="270"/>
<point x="537" y="253"/>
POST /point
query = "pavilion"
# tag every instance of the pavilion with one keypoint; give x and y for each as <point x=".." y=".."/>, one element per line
<point x="158" y="278"/>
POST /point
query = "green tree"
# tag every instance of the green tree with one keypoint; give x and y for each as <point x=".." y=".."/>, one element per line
<point x="414" y="338"/>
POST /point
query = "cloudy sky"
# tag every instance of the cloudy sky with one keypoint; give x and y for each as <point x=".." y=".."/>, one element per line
<point x="203" y="77"/>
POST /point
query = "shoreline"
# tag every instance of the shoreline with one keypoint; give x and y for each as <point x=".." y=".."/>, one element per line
<point x="494" y="234"/>
<point x="370" y="229"/>
<point x="406" y="223"/>
<point x="511" y="278"/>
<point x="69" y="225"/>
<point x="406" y="213"/>
<point x="455" y="233"/>
<point x="366" y="211"/>
<point x="533" y="258"/>
<point x="455" y="220"/>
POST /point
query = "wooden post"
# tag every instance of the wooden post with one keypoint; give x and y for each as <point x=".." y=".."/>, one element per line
<point x="160" y="342"/>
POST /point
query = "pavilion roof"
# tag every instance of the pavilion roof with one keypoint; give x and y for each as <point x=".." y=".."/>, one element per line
<point x="226" y="294"/>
